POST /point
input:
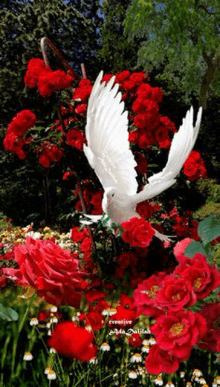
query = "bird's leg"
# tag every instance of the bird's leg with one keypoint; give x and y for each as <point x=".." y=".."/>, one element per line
<point x="162" y="237"/>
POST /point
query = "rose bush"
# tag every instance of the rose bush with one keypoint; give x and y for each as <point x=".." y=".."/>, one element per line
<point x="100" y="279"/>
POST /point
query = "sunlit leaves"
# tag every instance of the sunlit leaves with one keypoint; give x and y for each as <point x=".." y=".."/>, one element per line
<point x="178" y="36"/>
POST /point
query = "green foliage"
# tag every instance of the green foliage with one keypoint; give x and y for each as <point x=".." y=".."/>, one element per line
<point x="211" y="190"/>
<point x="8" y="314"/>
<point x="28" y="193"/>
<point x="71" y="25"/>
<point x="117" y="53"/>
<point x="182" y="37"/>
<point x="193" y="248"/>
<point x="209" y="229"/>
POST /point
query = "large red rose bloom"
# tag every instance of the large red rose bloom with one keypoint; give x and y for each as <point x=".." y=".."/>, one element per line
<point x="49" y="269"/>
<point x="160" y="361"/>
<point x="178" y="332"/>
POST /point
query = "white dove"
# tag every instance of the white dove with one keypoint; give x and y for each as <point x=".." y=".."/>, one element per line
<point x="108" y="152"/>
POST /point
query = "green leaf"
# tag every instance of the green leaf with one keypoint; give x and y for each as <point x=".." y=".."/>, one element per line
<point x="8" y="314"/>
<point x="209" y="229"/>
<point x="193" y="248"/>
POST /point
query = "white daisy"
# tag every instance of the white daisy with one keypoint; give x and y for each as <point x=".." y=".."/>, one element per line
<point x="132" y="375"/>
<point x="105" y="347"/>
<point x="28" y="356"/>
<point x="136" y="358"/>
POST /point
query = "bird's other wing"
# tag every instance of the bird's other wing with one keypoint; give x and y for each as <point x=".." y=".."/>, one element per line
<point x="108" y="150"/>
<point x="181" y="146"/>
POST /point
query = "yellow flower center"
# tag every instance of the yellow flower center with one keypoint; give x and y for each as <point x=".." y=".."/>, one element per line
<point x="152" y="293"/>
<point x="197" y="283"/>
<point x="176" y="297"/>
<point x="176" y="329"/>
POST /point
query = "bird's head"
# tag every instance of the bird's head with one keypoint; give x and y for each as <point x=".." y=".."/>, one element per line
<point x="110" y="193"/>
<point x="108" y="198"/>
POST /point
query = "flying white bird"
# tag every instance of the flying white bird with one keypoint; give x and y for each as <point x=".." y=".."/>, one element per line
<point x="108" y="152"/>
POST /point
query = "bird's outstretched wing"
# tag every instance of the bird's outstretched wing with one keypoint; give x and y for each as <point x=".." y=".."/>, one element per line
<point x="108" y="150"/>
<point x="181" y="146"/>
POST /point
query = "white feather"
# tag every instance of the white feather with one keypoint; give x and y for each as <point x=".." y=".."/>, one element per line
<point x="108" y="149"/>
<point x="181" y="146"/>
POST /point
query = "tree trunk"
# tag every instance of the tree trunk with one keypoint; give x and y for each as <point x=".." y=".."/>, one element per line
<point x="213" y="62"/>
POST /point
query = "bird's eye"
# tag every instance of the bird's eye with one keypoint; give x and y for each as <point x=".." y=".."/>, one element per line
<point x="113" y="195"/>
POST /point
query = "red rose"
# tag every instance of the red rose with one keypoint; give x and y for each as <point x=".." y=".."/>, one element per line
<point x="194" y="167"/>
<point x="83" y="92"/>
<point x="49" y="269"/>
<point x="203" y="277"/>
<point x="48" y="81"/>
<point x="50" y="153"/>
<point x="138" y="105"/>
<point x="156" y="94"/>
<point x="126" y="301"/>
<point x="137" y="78"/>
<point x="162" y="137"/>
<point x="67" y="174"/>
<point x="35" y="67"/>
<point x="123" y="318"/>
<point x="146" y="294"/>
<point x="151" y="106"/>
<point x="81" y="109"/>
<point x="141" y="163"/>
<point x="135" y="340"/>
<point x="23" y="121"/>
<point x="72" y="341"/>
<point x="96" y="201"/>
<point x="133" y="137"/>
<point x="211" y="340"/>
<point x="77" y="235"/>
<point x="128" y="85"/>
<point x="145" y="209"/>
<point x="144" y="91"/>
<point x="13" y="143"/>
<point x="168" y="124"/>
<point x="86" y="245"/>
<point x="145" y="140"/>
<point x="175" y="294"/>
<point x="106" y="77"/>
<point x="75" y="138"/>
<point x="137" y="232"/>
<point x="95" y="319"/>
<point x="161" y="361"/>
<point x="126" y="314"/>
<point x="140" y="121"/>
<point x="178" y="332"/>
<point x="122" y="76"/>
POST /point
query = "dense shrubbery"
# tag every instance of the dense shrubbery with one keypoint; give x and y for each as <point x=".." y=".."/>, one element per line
<point x="120" y="292"/>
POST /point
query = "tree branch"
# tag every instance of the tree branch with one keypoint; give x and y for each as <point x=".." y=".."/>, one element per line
<point x="46" y="42"/>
